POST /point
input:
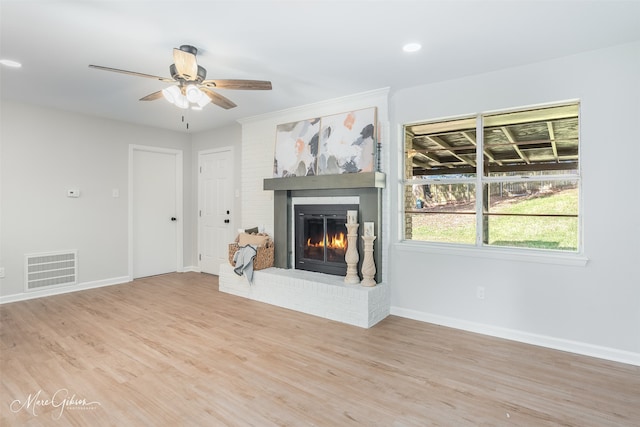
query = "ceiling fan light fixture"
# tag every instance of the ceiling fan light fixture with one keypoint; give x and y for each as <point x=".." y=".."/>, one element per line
<point x="188" y="85"/>
<point x="182" y="102"/>
<point x="193" y="93"/>
<point x="204" y="100"/>
<point x="171" y="94"/>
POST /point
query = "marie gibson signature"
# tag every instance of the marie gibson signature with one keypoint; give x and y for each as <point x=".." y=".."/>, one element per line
<point x="60" y="400"/>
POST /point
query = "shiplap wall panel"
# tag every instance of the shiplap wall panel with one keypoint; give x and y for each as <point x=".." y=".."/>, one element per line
<point x="258" y="143"/>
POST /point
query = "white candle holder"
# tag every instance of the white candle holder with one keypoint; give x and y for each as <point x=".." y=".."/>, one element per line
<point x="351" y="256"/>
<point x="352" y="217"/>
<point x="368" y="264"/>
<point x="368" y="229"/>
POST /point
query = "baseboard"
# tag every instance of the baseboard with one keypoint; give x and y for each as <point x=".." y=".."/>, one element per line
<point x="79" y="287"/>
<point x="584" y="349"/>
<point x="64" y="290"/>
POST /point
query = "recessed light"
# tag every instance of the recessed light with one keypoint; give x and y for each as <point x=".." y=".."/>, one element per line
<point x="10" y="63"/>
<point x="412" y="47"/>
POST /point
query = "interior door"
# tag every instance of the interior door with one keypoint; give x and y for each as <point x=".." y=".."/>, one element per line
<point x="155" y="217"/>
<point x="215" y="230"/>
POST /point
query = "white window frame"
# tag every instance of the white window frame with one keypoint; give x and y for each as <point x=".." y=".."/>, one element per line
<point x="479" y="249"/>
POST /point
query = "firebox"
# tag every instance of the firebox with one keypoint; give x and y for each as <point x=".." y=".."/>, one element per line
<point x="321" y="238"/>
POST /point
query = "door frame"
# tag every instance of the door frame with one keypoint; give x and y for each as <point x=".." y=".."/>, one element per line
<point x="179" y="202"/>
<point x="200" y="201"/>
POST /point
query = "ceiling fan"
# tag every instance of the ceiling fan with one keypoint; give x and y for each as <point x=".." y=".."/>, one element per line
<point x="189" y="85"/>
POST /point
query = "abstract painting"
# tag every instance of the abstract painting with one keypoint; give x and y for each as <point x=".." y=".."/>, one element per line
<point x="296" y="148"/>
<point x="347" y="142"/>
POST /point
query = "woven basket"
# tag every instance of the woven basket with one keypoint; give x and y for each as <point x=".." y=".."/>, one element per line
<point x="263" y="259"/>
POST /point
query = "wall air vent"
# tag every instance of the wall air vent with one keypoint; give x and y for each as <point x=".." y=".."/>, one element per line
<point x="44" y="270"/>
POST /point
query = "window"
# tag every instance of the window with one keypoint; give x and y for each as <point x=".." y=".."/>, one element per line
<point x="502" y="179"/>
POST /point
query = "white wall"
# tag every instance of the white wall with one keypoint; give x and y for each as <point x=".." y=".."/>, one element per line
<point x="45" y="152"/>
<point x="592" y="309"/>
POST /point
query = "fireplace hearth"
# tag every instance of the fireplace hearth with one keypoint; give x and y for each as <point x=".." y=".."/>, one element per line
<point x="321" y="237"/>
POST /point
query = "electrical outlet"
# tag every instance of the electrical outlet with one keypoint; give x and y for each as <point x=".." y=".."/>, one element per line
<point x="480" y="292"/>
<point x="1" y="272"/>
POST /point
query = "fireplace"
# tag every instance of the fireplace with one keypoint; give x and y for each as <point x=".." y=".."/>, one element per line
<point x="321" y="237"/>
<point x="366" y="186"/>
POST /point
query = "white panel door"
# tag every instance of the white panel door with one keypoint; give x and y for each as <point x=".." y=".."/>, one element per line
<point x="215" y="204"/>
<point x="154" y="213"/>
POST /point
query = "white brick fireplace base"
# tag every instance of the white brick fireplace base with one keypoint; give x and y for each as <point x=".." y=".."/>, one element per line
<point x="318" y="294"/>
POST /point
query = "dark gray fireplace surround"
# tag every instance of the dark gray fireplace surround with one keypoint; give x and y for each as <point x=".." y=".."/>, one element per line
<point x="367" y="186"/>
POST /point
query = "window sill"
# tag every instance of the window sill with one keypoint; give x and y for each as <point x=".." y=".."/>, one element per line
<point x="531" y="255"/>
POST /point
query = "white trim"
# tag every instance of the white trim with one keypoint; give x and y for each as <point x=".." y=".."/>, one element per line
<point x="179" y="202"/>
<point x="201" y="153"/>
<point x="479" y="202"/>
<point x="530" y="178"/>
<point x="511" y="254"/>
<point x="564" y="103"/>
<point x="191" y="269"/>
<point x="330" y="200"/>
<point x="576" y="347"/>
<point x="440" y="180"/>
<point x="64" y="290"/>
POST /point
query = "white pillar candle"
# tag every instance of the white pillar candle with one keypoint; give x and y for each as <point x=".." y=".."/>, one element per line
<point x="368" y="229"/>
<point x="352" y="217"/>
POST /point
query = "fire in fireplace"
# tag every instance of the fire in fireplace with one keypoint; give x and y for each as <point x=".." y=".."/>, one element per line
<point x="321" y="237"/>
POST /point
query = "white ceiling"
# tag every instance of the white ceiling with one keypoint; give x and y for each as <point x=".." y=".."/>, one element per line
<point x="310" y="50"/>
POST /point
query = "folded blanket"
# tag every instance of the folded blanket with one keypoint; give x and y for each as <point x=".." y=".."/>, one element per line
<point x="243" y="260"/>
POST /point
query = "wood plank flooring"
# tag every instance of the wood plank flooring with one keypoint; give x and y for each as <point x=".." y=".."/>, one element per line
<point x="172" y="350"/>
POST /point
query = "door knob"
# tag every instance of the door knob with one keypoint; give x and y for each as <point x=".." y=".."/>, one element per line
<point x="173" y="218"/>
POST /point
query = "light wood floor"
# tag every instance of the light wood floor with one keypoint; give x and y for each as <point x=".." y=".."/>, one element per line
<point x="172" y="350"/>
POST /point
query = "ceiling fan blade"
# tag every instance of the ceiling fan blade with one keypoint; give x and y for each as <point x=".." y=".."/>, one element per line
<point x="152" y="96"/>
<point x="186" y="64"/>
<point x="218" y="99"/>
<point x="132" y="73"/>
<point x="238" y="84"/>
